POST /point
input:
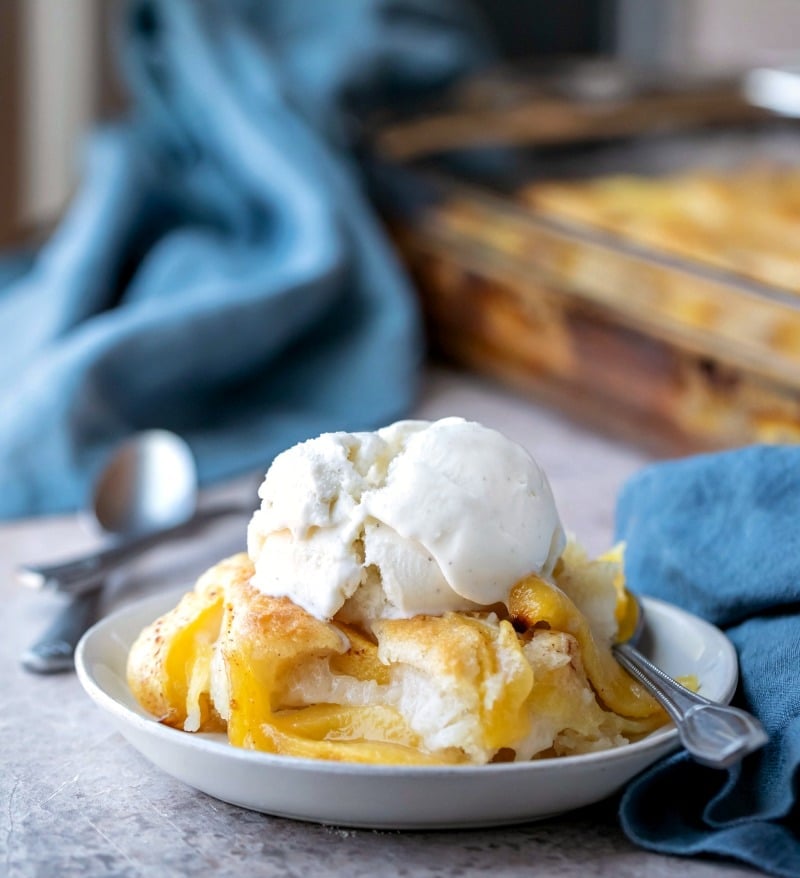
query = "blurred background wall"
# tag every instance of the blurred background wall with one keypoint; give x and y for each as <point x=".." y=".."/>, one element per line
<point x="54" y="82"/>
<point x="56" y="72"/>
<point x="707" y="35"/>
<point x="10" y="139"/>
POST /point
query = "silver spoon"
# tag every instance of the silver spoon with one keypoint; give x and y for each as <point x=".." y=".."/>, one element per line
<point x="714" y="734"/>
<point x="148" y="485"/>
<point x="146" y="496"/>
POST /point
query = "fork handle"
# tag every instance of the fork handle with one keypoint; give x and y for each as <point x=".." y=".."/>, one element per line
<point x="54" y="651"/>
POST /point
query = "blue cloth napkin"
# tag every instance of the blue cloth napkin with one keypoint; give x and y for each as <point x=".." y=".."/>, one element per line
<point x="220" y="272"/>
<point x="719" y="535"/>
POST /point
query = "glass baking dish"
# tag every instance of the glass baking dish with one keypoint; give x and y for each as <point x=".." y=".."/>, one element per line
<point x="658" y="344"/>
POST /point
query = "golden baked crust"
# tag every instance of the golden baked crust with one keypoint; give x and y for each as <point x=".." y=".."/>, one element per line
<point x="744" y="221"/>
<point x="462" y="687"/>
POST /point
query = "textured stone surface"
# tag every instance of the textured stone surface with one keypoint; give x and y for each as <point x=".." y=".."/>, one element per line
<point x="76" y="799"/>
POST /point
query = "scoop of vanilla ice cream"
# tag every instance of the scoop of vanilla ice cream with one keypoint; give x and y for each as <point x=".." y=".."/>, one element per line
<point x="415" y="518"/>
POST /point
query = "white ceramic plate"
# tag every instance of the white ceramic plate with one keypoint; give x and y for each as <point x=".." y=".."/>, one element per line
<point x="388" y="797"/>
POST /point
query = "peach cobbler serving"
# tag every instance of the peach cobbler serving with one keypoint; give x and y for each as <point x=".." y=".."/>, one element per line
<point x="407" y="597"/>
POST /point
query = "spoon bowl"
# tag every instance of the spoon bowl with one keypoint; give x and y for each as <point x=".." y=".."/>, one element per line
<point x="150" y="483"/>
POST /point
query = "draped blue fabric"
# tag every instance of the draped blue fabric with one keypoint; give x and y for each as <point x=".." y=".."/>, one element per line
<point x="719" y="534"/>
<point x="220" y="272"/>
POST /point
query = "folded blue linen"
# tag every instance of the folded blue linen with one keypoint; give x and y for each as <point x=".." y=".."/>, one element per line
<point x="220" y="272"/>
<point x="719" y="535"/>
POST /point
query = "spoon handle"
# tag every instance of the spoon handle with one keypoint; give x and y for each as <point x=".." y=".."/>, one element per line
<point x="54" y="651"/>
<point x="714" y="734"/>
<point x="82" y="574"/>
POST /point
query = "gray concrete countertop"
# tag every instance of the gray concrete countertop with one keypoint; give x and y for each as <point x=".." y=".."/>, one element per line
<point x="77" y="799"/>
